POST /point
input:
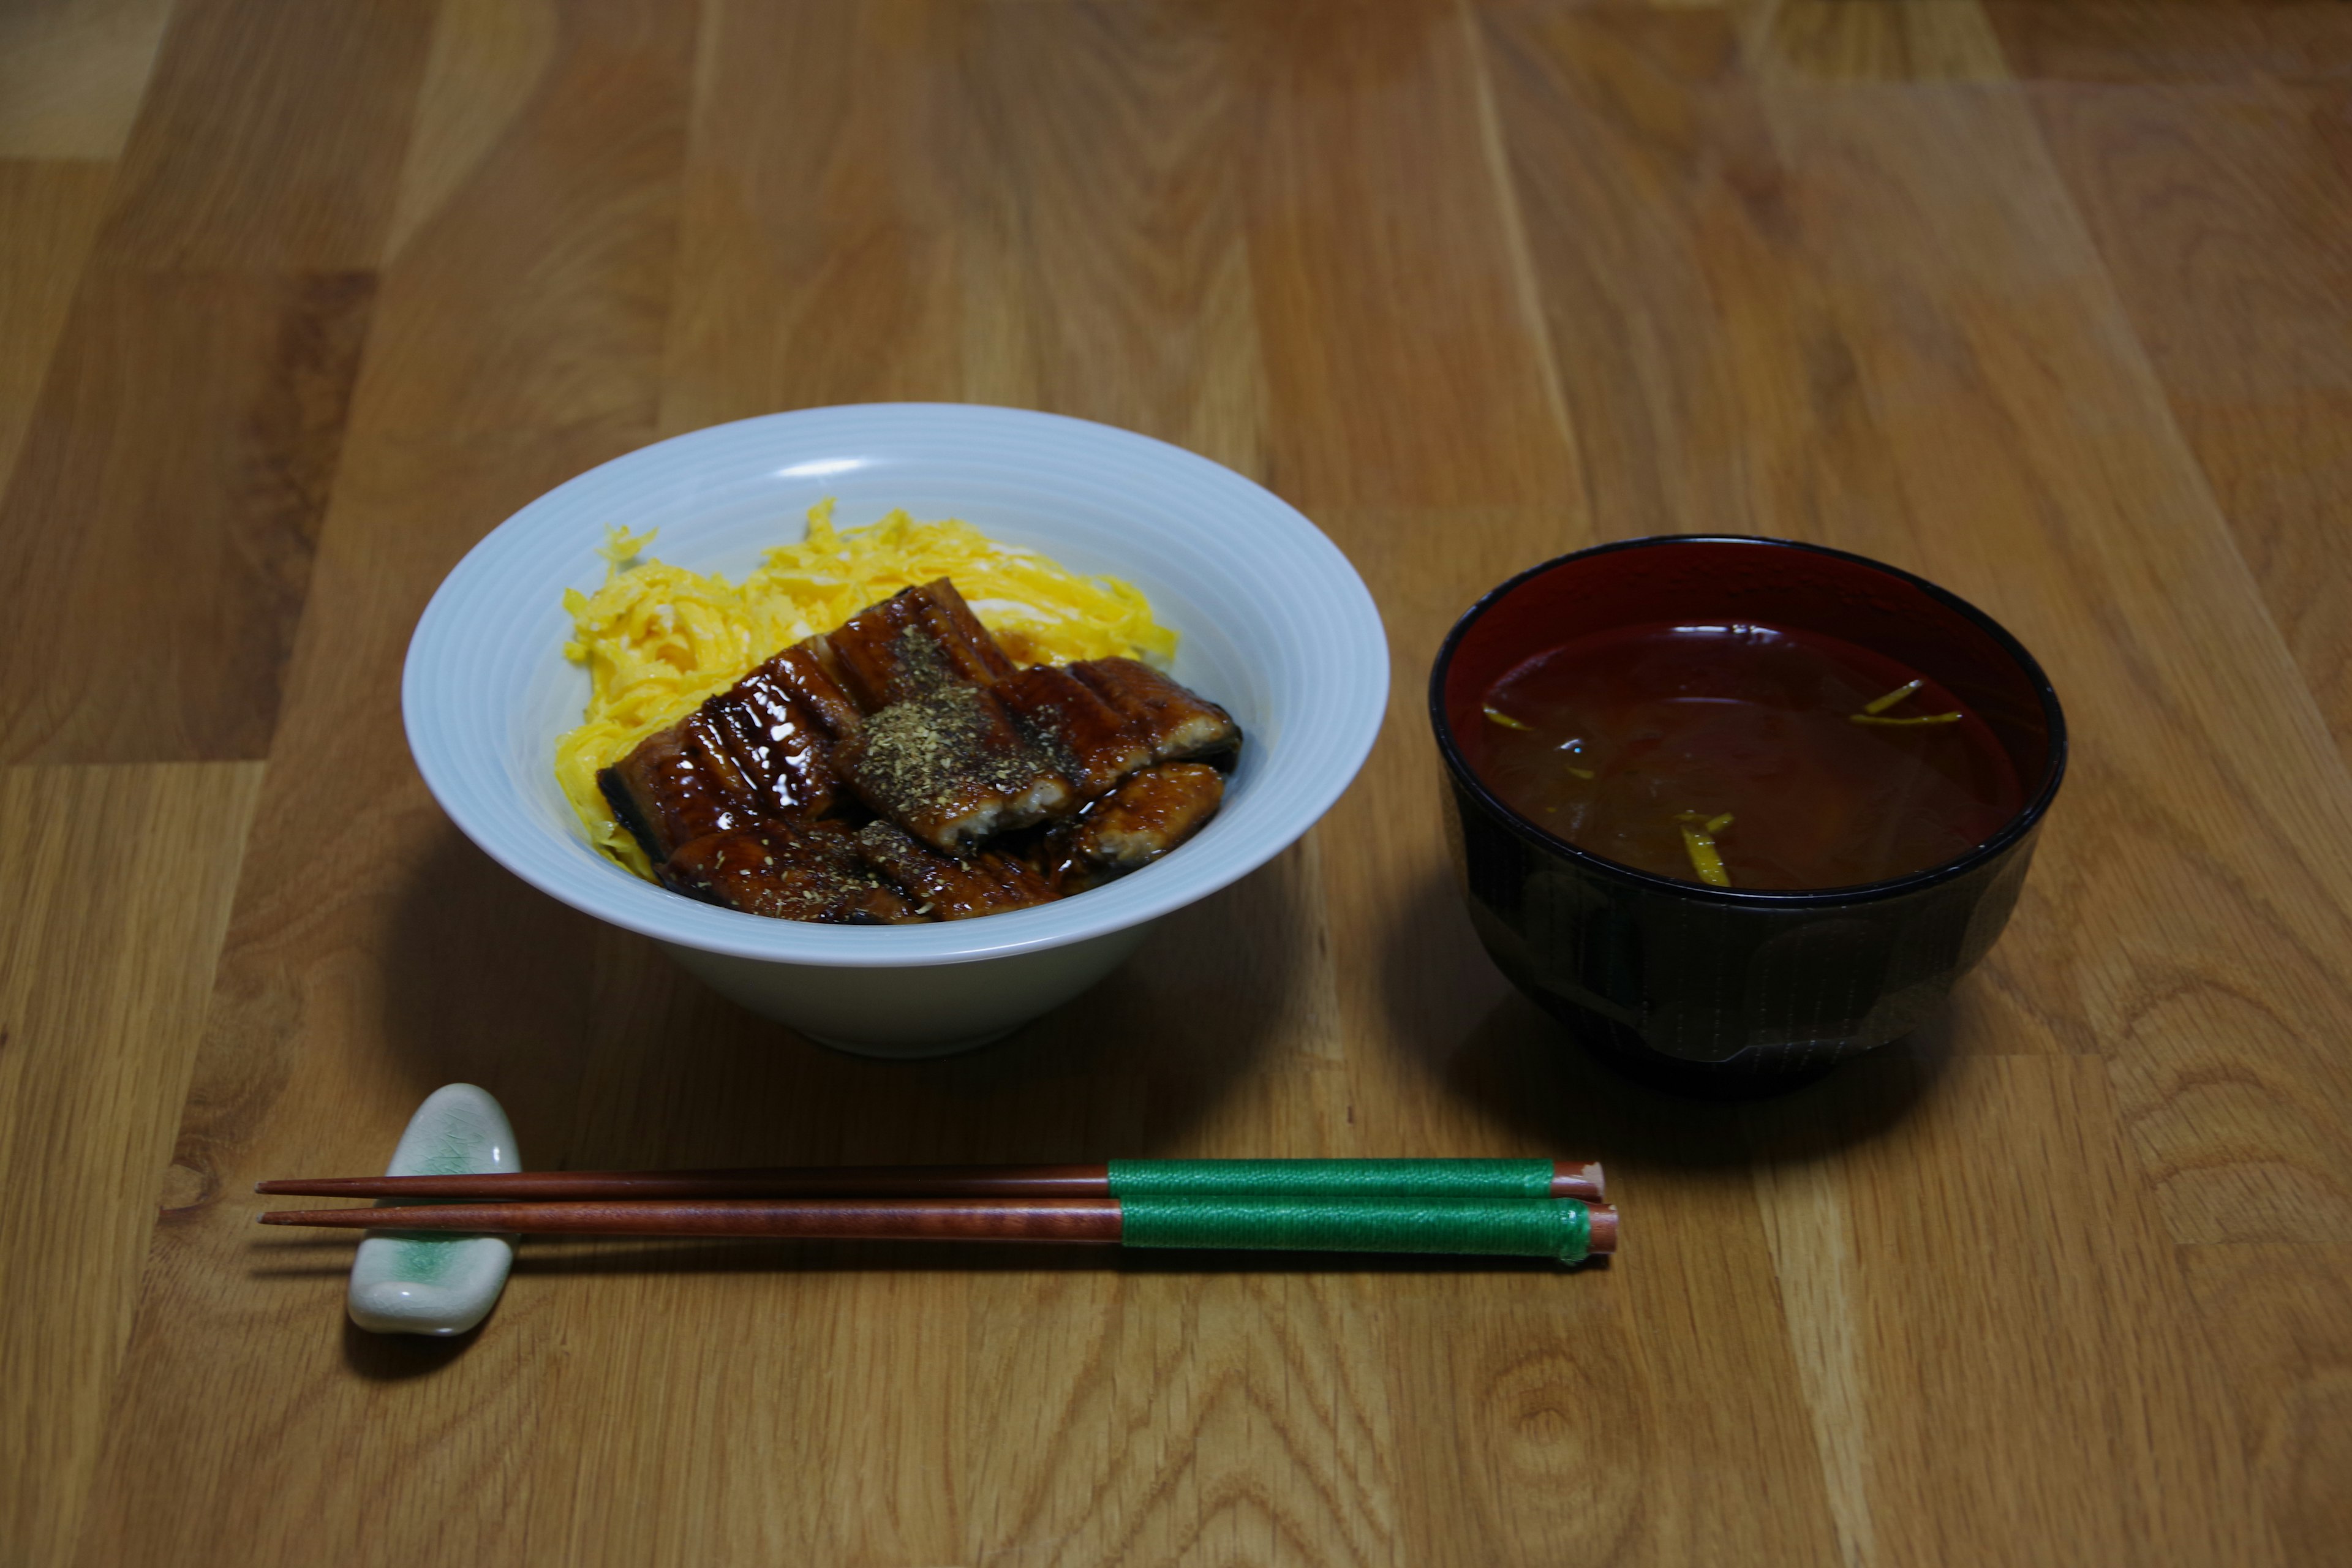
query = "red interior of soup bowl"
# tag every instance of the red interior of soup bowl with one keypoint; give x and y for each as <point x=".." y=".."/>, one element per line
<point x="1707" y="580"/>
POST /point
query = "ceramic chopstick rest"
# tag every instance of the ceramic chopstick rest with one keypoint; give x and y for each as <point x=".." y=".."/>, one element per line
<point x="416" y="1283"/>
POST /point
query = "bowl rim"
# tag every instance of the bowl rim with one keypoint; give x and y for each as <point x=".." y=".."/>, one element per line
<point x="2017" y="827"/>
<point x="1306" y="795"/>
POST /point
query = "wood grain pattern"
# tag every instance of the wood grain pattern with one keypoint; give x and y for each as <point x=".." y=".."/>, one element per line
<point x="124" y="878"/>
<point x="2281" y="1310"/>
<point x="2140" y="42"/>
<point x="1711" y="387"/>
<point x="539" y="211"/>
<point x="1034" y="205"/>
<point x="1407" y="283"/>
<point x="193" y="424"/>
<point x="50" y="211"/>
<point x="1822" y="40"/>
<point x="2018" y="1281"/>
<point x="169" y="497"/>
<point x="816" y="260"/>
<point x="2045" y="301"/>
<point x="1105" y="185"/>
<point x="72" y="73"/>
<point x="293" y="169"/>
<point x="2227" y="228"/>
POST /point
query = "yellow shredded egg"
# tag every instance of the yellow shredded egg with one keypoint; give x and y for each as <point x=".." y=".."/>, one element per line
<point x="657" y="639"/>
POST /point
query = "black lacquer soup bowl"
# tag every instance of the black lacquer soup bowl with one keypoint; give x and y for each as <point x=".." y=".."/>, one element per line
<point x="1735" y="991"/>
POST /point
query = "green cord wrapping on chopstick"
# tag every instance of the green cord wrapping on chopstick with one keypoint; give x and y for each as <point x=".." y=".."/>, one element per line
<point x="1517" y="1228"/>
<point x="1331" y="1178"/>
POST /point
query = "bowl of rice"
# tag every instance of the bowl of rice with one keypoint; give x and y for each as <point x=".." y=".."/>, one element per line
<point x="613" y="603"/>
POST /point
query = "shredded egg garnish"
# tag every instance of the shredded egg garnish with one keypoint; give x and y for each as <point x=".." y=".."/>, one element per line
<point x="657" y="639"/>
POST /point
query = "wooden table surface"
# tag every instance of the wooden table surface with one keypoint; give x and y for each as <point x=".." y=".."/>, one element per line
<point x="2050" y="302"/>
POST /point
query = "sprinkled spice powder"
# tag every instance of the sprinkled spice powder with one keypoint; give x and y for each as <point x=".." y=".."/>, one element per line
<point x="952" y="766"/>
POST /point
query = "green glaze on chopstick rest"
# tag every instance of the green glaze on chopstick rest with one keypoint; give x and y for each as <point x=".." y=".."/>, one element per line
<point x="1517" y="1228"/>
<point x="423" y="1282"/>
<point x="1331" y="1178"/>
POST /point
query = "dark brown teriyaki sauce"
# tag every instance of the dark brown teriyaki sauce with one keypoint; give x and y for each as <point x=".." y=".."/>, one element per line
<point x="1621" y="740"/>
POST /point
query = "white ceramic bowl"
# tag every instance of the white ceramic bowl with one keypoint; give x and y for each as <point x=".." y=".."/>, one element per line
<point x="1276" y="626"/>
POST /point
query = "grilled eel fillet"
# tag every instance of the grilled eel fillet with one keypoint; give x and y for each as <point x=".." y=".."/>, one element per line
<point x="914" y="706"/>
<point x="965" y="760"/>
<point x="910" y="645"/>
<point x="951" y="768"/>
<point x="826" y="872"/>
<point x="1147" y="816"/>
<point x="760" y="749"/>
<point x="947" y="888"/>
<point x="1091" y="743"/>
<point x="1177" y="724"/>
<point x="792" y="871"/>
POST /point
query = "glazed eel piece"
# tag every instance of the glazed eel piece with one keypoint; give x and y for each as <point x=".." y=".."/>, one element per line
<point x="1176" y="722"/>
<point x="830" y="873"/>
<point x="910" y="646"/>
<point x="952" y="768"/>
<point x="945" y="887"/>
<point x="965" y="760"/>
<point x="1100" y="720"/>
<point x="913" y="708"/>
<point x="1091" y="743"/>
<point x="1150" y="813"/>
<point x="790" y="871"/>
<point x="760" y="749"/>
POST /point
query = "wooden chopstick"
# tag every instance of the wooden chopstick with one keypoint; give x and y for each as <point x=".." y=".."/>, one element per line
<point x="869" y="1219"/>
<point x="1094" y="1220"/>
<point x="1570" y="1179"/>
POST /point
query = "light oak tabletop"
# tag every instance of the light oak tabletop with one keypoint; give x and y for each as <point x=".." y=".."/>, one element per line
<point x="2049" y="302"/>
